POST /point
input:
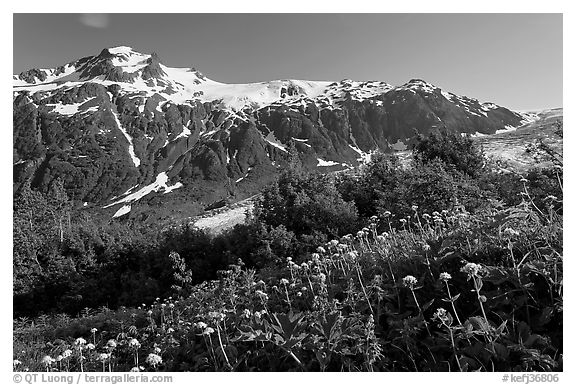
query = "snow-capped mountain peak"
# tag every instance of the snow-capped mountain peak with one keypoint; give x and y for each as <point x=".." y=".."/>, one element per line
<point x="116" y="121"/>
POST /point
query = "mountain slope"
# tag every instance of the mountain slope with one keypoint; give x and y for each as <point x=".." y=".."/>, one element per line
<point x="129" y="135"/>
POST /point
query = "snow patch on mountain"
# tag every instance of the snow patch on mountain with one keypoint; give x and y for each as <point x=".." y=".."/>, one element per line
<point x="70" y="109"/>
<point x="122" y="211"/>
<point x="326" y="163"/>
<point x="184" y="134"/>
<point x="270" y="138"/>
<point x="160" y="184"/>
<point x="135" y="159"/>
<point x="303" y="141"/>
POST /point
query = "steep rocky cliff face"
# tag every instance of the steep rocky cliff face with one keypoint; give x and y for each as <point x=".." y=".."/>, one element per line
<point x="127" y="134"/>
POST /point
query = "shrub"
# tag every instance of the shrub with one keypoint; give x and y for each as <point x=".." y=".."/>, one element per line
<point x="306" y="203"/>
<point x="457" y="151"/>
<point x="384" y="185"/>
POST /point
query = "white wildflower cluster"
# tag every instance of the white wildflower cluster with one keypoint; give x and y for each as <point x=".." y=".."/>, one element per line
<point x="261" y="295"/>
<point x="409" y="281"/>
<point x="80" y="341"/>
<point x="208" y="331"/>
<point x="445" y="277"/>
<point x="47" y="360"/>
<point x="347" y="238"/>
<point x="259" y="314"/>
<point x="352" y="255"/>
<point x="134" y="343"/>
<point x="217" y="316"/>
<point x="442" y="316"/>
<point x="472" y="269"/>
<point x="153" y="360"/>
<point x="315" y="257"/>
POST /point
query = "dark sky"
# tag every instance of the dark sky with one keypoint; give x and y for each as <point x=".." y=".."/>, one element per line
<point x="511" y="59"/>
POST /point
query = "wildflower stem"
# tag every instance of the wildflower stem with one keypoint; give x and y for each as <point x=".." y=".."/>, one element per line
<point x="288" y="297"/>
<point x="428" y="265"/>
<point x="291" y="353"/>
<point x="532" y="201"/>
<point x="477" y="288"/>
<point x="212" y="350"/>
<point x="310" y="283"/>
<point x="222" y="346"/>
<point x="453" y="345"/>
<point x="364" y="289"/>
<point x="512" y="256"/>
<point x="420" y="310"/>
<point x="559" y="182"/>
<point x="452" y="303"/>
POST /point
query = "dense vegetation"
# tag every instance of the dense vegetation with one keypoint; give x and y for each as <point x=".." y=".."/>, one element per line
<point x="445" y="264"/>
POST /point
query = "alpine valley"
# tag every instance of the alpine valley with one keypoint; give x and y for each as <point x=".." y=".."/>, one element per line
<point x="130" y="137"/>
